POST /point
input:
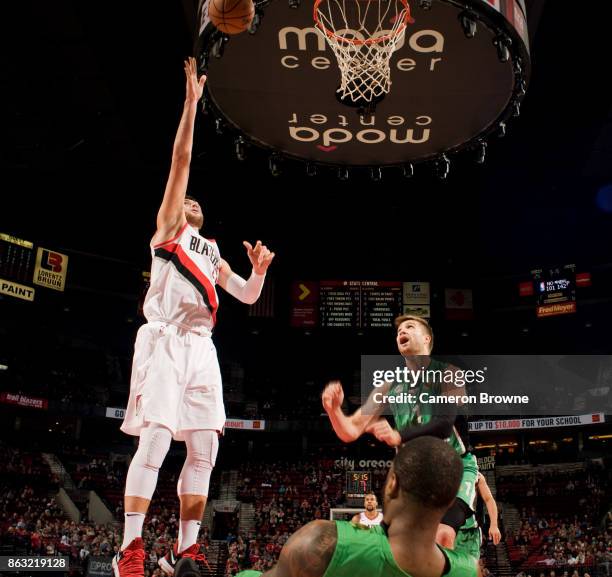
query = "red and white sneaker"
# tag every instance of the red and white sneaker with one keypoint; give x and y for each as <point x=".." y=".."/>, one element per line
<point x="130" y="561"/>
<point x="169" y="560"/>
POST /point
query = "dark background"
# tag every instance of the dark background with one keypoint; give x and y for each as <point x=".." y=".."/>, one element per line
<point x="93" y="94"/>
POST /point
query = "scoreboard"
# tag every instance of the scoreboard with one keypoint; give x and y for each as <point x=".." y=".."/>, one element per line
<point x="358" y="484"/>
<point x="23" y="265"/>
<point x="359" y="304"/>
<point x="356" y="304"/>
<point x="555" y="290"/>
<point x="17" y="259"/>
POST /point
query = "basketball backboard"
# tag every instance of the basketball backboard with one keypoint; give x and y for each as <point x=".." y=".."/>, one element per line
<point x="457" y="77"/>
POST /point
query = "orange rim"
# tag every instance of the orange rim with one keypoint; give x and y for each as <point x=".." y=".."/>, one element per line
<point x="408" y="19"/>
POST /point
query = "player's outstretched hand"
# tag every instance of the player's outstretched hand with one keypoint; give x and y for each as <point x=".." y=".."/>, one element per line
<point x="333" y="396"/>
<point x="385" y="433"/>
<point x="259" y="255"/>
<point x="195" y="86"/>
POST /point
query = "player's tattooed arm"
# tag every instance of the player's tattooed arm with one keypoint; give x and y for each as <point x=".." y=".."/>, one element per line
<point x="308" y="552"/>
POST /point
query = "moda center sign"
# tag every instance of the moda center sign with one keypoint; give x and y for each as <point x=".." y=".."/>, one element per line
<point x="277" y="87"/>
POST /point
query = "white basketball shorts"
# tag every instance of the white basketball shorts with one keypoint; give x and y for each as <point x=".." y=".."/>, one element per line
<point x="176" y="381"/>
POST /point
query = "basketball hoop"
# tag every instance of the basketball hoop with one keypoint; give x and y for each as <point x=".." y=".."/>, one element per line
<point x="451" y="92"/>
<point x="363" y="35"/>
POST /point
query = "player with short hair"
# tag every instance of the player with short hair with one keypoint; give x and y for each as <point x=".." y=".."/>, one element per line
<point x="414" y="341"/>
<point x="175" y="390"/>
<point x="371" y="516"/>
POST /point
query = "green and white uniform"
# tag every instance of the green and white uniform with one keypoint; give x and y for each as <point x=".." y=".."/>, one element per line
<point x="408" y="415"/>
<point x="469" y="536"/>
<point x="414" y="414"/>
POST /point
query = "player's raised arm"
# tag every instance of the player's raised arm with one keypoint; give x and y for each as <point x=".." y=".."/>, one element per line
<point x="350" y="427"/>
<point x="171" y="215"/>
<point x="247" y="291"/>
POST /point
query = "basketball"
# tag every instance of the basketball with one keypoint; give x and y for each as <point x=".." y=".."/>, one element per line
<point x="231" y="16"/>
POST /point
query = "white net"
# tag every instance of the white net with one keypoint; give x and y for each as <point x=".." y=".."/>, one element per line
<point x="363" y="35"/>
<point x="343" y="514"/>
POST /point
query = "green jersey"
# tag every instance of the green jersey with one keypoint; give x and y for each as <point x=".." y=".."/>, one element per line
<point x="407" y="415"/>
<point x="420" y="413"/>
<point x="467" y="489"/>
<point x="365" y="552"/>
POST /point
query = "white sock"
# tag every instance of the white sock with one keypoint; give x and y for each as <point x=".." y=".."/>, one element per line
<point x="133" y="527"/>
<point x="188" y="534"/>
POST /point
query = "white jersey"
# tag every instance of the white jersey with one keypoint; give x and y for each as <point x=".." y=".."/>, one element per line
<point x="184" y="273"/>
<point x="364" y="520"/>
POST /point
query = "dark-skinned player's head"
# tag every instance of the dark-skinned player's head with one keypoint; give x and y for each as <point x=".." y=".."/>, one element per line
<point x="193" y="212"/>
<point x="424" y="479"/>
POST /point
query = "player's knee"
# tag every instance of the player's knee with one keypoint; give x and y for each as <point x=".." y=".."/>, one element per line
<point x="144" y="468"/>
<point x="202" y="449"/>
<point x="153" y="448"/>
<point x="194" y="482"/>
<point x="445" y="536"/>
